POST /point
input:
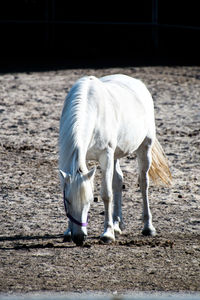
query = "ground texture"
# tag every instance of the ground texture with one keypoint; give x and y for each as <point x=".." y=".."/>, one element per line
<point x="33" y="256"/>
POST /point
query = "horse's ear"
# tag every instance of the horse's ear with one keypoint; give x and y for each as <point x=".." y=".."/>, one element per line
<point x="65" y="176"/>
<point x="91" y="173"/>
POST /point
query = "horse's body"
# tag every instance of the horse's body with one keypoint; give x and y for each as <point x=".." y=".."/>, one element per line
<point x="105" y="119"/>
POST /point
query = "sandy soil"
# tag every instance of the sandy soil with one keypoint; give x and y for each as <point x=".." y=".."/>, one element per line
<point x="33" y="256"/>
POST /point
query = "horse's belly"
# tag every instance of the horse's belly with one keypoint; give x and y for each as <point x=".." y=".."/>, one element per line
<point x="128" y="146"/>
<point x="125" y="138"/>
<point x="131" y="135"/>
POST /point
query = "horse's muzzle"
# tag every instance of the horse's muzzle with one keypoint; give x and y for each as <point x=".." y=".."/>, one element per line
<point x="79" y="239"/>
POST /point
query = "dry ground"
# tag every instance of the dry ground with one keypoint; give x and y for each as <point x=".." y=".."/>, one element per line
<point x="33" y="256"/>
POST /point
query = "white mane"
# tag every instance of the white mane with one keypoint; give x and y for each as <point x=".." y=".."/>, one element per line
<point x="70" y="123"/>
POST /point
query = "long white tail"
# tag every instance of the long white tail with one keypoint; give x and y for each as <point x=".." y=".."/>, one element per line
<point x="159" y="169"/>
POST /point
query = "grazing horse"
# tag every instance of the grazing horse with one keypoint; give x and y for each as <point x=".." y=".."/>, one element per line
<point x="103" y="120"/>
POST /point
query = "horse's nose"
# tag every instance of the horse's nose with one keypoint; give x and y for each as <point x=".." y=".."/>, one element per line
<point x="78" y="239"/>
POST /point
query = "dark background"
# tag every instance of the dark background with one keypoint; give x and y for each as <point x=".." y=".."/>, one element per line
<point x="71" y="33"/>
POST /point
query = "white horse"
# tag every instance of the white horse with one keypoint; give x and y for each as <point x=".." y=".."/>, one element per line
<point x="105" y="119"/>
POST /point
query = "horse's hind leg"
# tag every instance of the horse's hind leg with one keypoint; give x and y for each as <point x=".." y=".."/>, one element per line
<point x="117" y="194"/>
<point x="144" y="163"/>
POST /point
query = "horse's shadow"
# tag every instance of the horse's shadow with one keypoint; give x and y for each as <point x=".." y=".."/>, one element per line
<point x="20" y="242"/>
<point x="47" y="241"/>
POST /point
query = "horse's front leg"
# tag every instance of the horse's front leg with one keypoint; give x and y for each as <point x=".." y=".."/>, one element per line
<point x="107" y="163"/>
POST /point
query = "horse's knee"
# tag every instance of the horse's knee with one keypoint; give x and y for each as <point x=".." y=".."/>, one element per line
<point x="106" y="196"/>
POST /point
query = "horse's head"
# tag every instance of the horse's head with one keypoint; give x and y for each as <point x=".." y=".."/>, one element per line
<point x="78" y="194"/>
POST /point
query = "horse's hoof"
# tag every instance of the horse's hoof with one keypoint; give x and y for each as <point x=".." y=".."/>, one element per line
<point x="149" y="231"/>
<point x="122" y="226"/>
<point x="67" y="236"/>
<point x="107" y="238"/>
<point x="117" y="228"/>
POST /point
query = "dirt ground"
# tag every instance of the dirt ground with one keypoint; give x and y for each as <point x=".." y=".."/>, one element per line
<point x="33" y="256"/>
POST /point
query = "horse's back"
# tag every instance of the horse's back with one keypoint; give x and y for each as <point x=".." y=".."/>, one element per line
<point x="113" y="110"/>
<point x="133" y="85"/>
<point x="133" y="105"/>
<point x="124" y="113"/>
